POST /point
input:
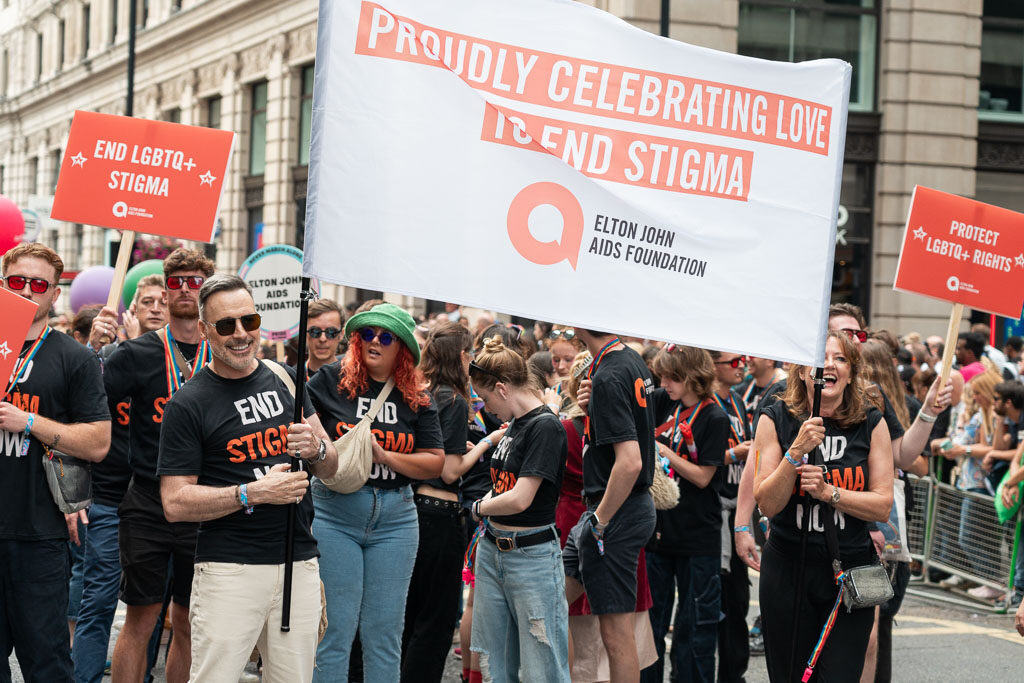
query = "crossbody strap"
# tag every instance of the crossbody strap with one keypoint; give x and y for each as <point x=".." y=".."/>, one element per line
<point x="281" y="373"/>
<point x="378" y="402"/>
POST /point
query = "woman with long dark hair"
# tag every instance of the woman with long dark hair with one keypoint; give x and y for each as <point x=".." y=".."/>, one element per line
<point x="433" y="604"/>
<point x="368" y="538"/>
<point x="854" y="486"/>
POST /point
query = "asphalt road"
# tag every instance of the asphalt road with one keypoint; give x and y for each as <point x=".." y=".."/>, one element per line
<point x="934" y="640"/>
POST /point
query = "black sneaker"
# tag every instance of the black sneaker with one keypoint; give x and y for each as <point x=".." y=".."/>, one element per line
<point x="1011" y="603"/>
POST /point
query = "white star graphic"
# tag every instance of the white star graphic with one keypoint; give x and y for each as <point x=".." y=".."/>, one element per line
<point x="5" y="350"/>
<point x="919" y="234"/>
<point x="78" y="160"/>
<point x="1019" y="260"/>
<point x="207" y="179"/>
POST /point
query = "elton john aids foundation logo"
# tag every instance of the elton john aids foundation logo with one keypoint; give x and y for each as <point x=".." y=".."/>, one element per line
<point x="518" y="221"/>
<point x="953" y="283"/>
<point x="120" y="209"/>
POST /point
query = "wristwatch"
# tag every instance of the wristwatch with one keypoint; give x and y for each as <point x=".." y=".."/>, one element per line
<point x="321" y="453"/>
<point x="835" y="495"/>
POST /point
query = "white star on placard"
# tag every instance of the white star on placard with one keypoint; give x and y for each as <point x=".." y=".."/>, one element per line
<point x="207" y="179"/>
<point x="919" y="234"/>
<point x="5" y="350"/>
<point x="1019" y="260"/>
<point x="78" y="160"/>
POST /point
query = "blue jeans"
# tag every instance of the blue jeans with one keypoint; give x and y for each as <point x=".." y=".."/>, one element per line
<point x="695" y="634"/>
<point x="102" y="577"/>
<point x="520" y="617"/>
<point x="77" y="570"/>
<point x="367" y="543"/>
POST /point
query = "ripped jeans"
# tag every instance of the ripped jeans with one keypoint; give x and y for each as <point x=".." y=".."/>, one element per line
<point x="520" y="617"/>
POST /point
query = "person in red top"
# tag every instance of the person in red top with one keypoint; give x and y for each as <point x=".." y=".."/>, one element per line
<point x="590" y="660"/>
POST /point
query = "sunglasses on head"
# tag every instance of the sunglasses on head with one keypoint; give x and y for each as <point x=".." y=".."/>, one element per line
<point x="734" y="363"/>
<point x="177" y="281"/>
<point x="568" y="334"/>
<point x="859" y="335"/>
<point x="37" y="285"/>
<point x="226" y="326"/>
<point x="368" y="335"/>
<point x="316" y="332"/>
<point x="474" y="367"/>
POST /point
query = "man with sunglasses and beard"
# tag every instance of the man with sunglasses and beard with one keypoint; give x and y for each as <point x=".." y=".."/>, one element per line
<point x="324" y="331"/>
<point x="54" y="399"/>
<point x="147" y="371"/>
<point x="226" y="461"/>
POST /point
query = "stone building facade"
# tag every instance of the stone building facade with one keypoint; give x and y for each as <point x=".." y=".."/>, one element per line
<point x="936" y="100"/>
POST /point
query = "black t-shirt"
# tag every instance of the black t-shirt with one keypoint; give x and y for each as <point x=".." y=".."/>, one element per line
<point x="137" y="371"/>
<point x="111" y="476"/>
<point x="739" y="429"/>
<point x="772" y="393"/>
<point x="619" y="410"/>
<point x="845" y="453"/>
<point x="453" y="415"/>
<point x="889" y="414"/>
<point x="229" y="432"/>
<point x="534" y="445"/>
<point x="694" y="526"/>
<point x="477" y="481"/>
<point x="397" y="428"/>
<point x="62" y="382"/>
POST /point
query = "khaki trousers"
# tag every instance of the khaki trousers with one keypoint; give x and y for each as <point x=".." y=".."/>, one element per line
<point x="238" y="606"/>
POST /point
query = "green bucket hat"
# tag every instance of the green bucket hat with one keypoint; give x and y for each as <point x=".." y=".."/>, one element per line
<point x="391" y="318"/>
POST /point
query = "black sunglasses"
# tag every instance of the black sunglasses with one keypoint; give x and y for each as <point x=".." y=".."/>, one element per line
<point x="474" y="367"/>
<point x="176" y="281"/>
<point x="16" y="283"/>
<point x="735" y="362"/>
<point x="316" y="332"/>
<point x="368" y="335"/>
<point x="226" y="326"/>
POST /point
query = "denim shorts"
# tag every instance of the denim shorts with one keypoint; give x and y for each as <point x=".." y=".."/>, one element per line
<point x="610" y="579"/>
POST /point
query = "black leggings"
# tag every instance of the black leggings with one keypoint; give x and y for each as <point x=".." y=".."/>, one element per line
<point x="843" y="656"/>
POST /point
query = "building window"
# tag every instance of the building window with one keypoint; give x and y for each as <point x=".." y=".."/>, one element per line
<point x="60" y="45"/>
<point x="1" y="178"/>
<point x="113" y="23"/>
<point x="213" y="112"/>
<point x="258" y="129"/>
<point x="173" y="115"/>
<point x="4" y="66"/>
<point x="1002" y="60"/>
<point x="39" y="56"/>
<point x="78" y="246"/>
<point x="254" y="229"/>
<point x="305" y="114"/>
<point x="143" y="13"/>
<point x="800" y="30"/>
<point x="86" y="29"/>
<point x="33" y="175"/>
<point x="54" y="170"/>
<point x="175" y="6"/>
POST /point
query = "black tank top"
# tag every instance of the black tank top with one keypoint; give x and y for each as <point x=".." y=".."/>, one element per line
<point x="845" y="453"/>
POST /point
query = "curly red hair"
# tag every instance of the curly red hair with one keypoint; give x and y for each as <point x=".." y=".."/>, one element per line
<point x="408" y="379"/>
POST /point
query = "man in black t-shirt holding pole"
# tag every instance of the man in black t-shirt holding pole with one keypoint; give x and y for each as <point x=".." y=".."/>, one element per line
<point x="226" y="461"/>
<point x="55" y="397"/>
<point x="602" y="551"/>
<point x="147" y="371"/>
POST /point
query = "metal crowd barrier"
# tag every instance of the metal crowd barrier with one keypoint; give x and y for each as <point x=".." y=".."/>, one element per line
<point x="958" y="532"/>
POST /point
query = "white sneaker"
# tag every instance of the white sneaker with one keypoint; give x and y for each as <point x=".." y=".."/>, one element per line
<point x="985" y="593"/>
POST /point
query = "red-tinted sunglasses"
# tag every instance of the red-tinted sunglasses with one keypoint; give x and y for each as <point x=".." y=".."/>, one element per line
<point x="859" y="335"/>
<point x="16" y="283"/>
<point x="176" y="281"/>
<point x="734" y="363"/>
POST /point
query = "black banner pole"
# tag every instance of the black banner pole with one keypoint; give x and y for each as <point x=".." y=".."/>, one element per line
<point x="300" y="391"/>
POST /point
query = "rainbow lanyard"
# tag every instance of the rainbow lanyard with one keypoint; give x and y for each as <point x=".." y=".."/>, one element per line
<point x="739" y="414"/>
<point x="478" y="407"/>
<point x="826" y="630"/>
<point x="174" y="373"/>
<point x="19" y="370"/>
<point x="690" y="446"/>
<point x="590" y="373"/>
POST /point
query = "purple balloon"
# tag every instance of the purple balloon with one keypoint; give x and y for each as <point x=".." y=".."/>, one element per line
<point x="91" y="287"/>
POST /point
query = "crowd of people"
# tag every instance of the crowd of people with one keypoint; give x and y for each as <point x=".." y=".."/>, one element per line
<point x="551" y="501"/>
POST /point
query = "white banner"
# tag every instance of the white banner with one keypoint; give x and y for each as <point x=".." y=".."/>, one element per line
<point x="546" y="159"/>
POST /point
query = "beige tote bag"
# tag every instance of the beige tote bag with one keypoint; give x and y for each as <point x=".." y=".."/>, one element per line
<point x="355" y="449"/>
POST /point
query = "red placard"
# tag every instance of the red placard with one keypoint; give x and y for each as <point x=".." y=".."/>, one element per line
<point x="149" y="176"/>
<point x="14" y="324"/>
<point x="963" y="251"/>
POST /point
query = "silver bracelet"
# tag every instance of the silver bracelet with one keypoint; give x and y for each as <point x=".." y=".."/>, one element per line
<point x="925" y="417"/>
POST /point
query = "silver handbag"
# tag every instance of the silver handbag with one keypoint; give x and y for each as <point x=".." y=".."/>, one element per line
<point x="866" y="586"/>
<point x="69" y="479"/>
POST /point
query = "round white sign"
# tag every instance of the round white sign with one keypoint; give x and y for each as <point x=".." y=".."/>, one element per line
<point x="275" y="275"/>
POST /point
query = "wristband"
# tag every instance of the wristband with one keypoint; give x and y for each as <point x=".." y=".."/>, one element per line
<point x="487" y="440"/>
<point x="25" y="442"/>
<point x="791" y="461"/>
<point x="741" y="529"/>
<point x="243" y="498"/>
<point x="476" y="509"/>
<point x="732" y="455"/>
<point x="925" y="417"/>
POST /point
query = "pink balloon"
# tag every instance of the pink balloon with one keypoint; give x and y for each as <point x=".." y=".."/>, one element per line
<point x="12" y="225"/>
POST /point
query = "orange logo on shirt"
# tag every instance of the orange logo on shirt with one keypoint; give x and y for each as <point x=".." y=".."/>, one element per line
<point x="641" y="392"/>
